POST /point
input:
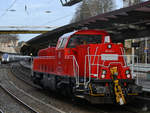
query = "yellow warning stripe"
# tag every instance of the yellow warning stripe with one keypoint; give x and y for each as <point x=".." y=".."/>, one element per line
<point x="91" y="92"/>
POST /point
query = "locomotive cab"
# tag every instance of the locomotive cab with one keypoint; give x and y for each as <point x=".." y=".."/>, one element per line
<point x="83" y="38"/>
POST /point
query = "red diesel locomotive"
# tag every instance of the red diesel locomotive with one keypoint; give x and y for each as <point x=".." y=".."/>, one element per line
<point x="88" y="65"/>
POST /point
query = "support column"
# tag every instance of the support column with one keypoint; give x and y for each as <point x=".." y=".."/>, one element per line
<point x="133" y="52"/>
<point x="146" y="50"/>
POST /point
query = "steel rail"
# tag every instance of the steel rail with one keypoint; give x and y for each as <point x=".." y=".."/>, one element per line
<point x="20" y="101"/>
<point x="1" y="111"/>
<point x="20" y="78"/>
<point x="48" y="105"/>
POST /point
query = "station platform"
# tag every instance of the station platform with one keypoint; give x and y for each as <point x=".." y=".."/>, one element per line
<point x="146" y="86"/>
<point x="142" y="67"/>
<point x="143" y="79"/>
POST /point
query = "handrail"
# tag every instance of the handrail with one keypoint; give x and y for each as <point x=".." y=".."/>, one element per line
<point x="98" y="64"/>
<point x="123" y="52"/>
<point x="75" y="68"/>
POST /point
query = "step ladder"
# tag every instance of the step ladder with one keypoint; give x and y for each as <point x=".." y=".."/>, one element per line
<point x="79" y="91"/>
<point x="93" y="63"/>
<point x="117" y="88"/>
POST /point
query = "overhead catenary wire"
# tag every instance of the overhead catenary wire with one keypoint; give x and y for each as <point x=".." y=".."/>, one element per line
<point x="8" y="8"/>
<point x="25" y="8"/>
<point x="50" y="3"/>
<point x="57" y="19"/>
<point x="27" y="11"/>
<point x="48" y="27"/>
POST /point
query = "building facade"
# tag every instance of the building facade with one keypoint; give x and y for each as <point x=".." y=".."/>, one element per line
<point x="8" y="45"/>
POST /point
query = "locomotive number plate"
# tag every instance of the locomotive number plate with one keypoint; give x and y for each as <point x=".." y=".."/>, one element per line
<point x="109" y="57"/>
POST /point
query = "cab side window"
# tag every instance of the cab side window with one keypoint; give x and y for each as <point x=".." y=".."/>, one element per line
<point x="62" y="43"/>
<point x="73" y="42"/>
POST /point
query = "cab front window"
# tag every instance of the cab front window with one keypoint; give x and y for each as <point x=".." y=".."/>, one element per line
<point x="76" y="40"/>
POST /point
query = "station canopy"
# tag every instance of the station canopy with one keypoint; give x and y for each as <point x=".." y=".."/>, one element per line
<point x="126" y="23"/>
<point x="69" y="2"/>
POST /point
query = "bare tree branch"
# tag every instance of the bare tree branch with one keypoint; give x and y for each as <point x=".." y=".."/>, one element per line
<point x="90" y="8"/>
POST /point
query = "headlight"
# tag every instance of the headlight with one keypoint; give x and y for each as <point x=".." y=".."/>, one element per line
<point x="109" y="46"/>
<point x="128" y="75"/>
<point x="127" y="72"/>
<point x="102" y="76"/>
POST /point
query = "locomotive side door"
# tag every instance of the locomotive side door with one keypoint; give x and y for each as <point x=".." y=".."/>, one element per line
<point x="60" y="56"/>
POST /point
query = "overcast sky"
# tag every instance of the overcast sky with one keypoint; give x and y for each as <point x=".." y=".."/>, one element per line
<point x="32" y="13"/>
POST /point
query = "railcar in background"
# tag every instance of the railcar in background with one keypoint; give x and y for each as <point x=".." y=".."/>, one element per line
<point x="5" y="58"/>
<point x="88" y="65"/>
<point x="8" y="58"/>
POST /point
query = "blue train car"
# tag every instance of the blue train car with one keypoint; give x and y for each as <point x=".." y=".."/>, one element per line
<point x="5" y="58"/>
<point x="8" y="58"/>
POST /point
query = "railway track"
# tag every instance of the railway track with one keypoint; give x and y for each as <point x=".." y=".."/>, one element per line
<point x="1" y="111"/>
<point x="4" y="66"/>
<point x="17" y="73"/>
<point x="32" y="110"/>
<point x="36" y="105"/>
<point x="70" y="106"/>
<point x="21" y="75"/>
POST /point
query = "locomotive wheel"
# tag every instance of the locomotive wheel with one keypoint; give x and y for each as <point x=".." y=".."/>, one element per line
<point x="66" y="90"/>
<point x="36" y="80"/>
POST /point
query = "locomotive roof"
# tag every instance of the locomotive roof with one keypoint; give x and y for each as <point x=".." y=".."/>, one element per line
<point x="91" y="32"/>
<point x="66" y="35"/>
<point x="96" y="32"/>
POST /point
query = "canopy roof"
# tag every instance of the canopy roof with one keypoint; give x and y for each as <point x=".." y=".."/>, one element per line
<point x="121" y="24"/>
